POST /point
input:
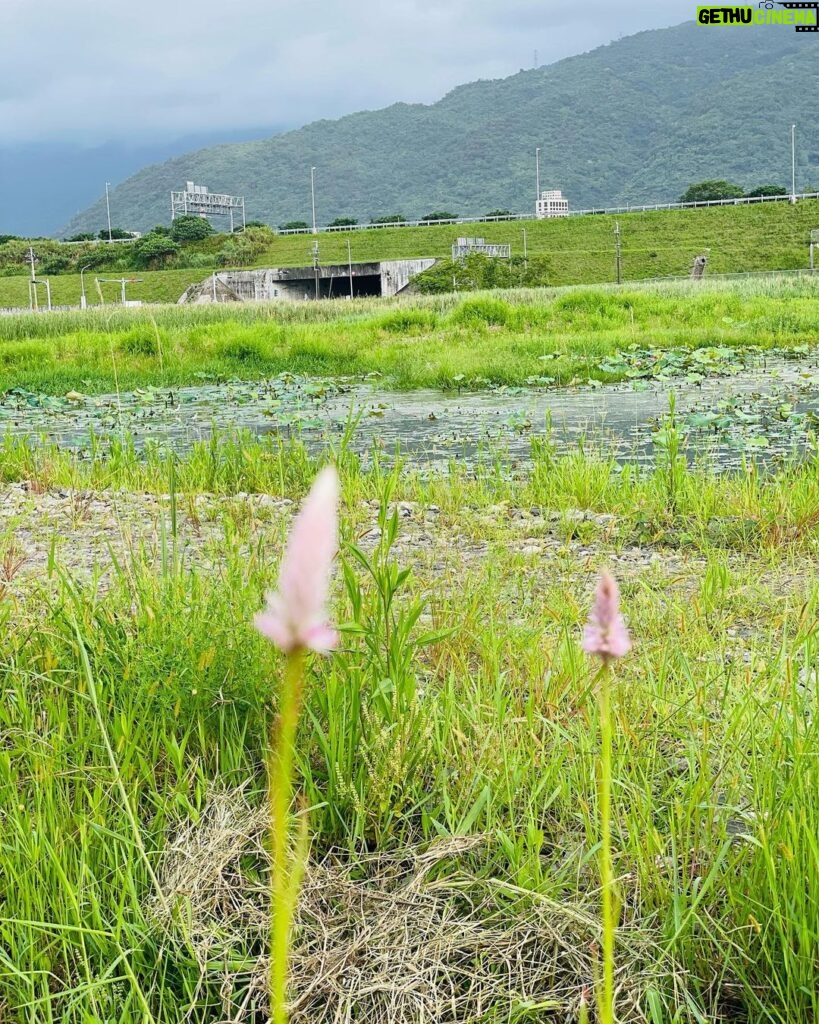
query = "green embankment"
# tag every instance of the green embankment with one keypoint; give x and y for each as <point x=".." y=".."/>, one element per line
<point x="741" y="239"/>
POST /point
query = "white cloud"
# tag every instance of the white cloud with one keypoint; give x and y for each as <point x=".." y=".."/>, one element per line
<point x="90" y="70"/>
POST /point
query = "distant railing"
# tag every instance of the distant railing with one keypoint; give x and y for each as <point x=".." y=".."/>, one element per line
<point x="628" y="208"/>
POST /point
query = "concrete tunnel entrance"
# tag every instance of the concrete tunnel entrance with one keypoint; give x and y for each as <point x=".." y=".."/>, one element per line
<point x="306" y="284"/>
<point x="364" y="285"/>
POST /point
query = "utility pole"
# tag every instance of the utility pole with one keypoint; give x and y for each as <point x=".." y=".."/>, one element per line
<point x="618" y="255"/>
<point x="31" y="259"/>
<point x="793" y="163"/>
<point x="316" y="266"/>
<point x="83" y="300"/>
<point x="350" y="266"/>
<point x="108" y="208"/>
<point x="313" y="195"/>
<point x="537" y="177"/>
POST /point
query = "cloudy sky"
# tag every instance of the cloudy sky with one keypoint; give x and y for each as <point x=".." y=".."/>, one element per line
<point x="89" y="71"/>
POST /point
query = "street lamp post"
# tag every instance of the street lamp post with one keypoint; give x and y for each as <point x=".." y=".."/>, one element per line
<point x="537" y="176"/>
<point x="83" y="303"/>
<point x="313" y="195"/>
<point x="793" y="163"/>
<point x="108" y="208"/>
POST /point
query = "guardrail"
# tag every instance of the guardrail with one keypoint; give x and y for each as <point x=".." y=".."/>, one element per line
<point x="628" y="208"/>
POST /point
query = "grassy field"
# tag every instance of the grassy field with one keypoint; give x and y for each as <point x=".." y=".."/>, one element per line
<point x="448" y="753"/>
<point x="451" y="341"/>
<point x="770" y="236"/>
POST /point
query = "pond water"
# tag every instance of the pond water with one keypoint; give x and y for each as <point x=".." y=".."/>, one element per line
<point x="769" y="408"/>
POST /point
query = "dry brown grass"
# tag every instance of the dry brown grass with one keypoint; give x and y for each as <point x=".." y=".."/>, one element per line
<point x="394" y="939"/>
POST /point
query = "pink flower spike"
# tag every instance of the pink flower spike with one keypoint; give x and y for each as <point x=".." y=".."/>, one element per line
<point x="296" y="617"/>
<point x="605" y="634"/>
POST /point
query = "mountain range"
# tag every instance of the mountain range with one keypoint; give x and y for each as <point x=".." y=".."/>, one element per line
<point x="634" y="121"/>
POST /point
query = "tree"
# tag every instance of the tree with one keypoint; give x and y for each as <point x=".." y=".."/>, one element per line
<point x="343" y="222"/>
<point x="118" y="233"/>
<point x="154" y="250"/>
<point x="767" y="190"/>
<point x="83" y="236"/>
<point x="440" y="215"/>
<point x="499" y="213"/>
<point x="710" y="191"/>
<point x="294" y="225"/>
<point x="390" y="218"/>
<point x="190" y="228"/>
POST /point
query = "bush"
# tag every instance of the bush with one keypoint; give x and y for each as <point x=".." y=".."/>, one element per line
<point x="189" y="228"/>
<point x="390" y="218"/>
<point x="154" y="250"/>
<point x="440" y="215"/>
<point x="343" y="222"/>
<point x="498" y="213"/>
<point x="767" y="190"/>
<point x="294" y="225"/>
<point x="711" y="191"/>
<point x="83" y="236"/>
<point x="118" y="233"/>
<point x="56" y="264"/>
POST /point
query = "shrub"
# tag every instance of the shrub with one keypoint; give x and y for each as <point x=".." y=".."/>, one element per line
<point x="440" y="215"/>
<point x="498" y="213"/>
<point x="390" y="218"/>
<point x="154" y="250"/>
<point x="343" y="222"/>
<point x="710" y="191"/>
<point x="767" y="190"/>
<point x="294" y="225"/>
<point x="189" y="228"/>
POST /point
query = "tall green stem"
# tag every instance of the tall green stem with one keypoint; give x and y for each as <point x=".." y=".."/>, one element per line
<point x="280" y="789"/>
<point x="606" y="993"/>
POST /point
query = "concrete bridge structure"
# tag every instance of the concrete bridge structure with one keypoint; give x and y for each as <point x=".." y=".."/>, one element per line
<point x="300" y="284"/>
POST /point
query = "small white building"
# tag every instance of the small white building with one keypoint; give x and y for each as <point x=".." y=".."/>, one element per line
<point x="551" y="204"/>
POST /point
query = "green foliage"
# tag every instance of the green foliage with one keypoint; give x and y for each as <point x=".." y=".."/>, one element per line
<point x="498" y="338"/>
<point x="153" y="250"/>
<point x="709" y="191"/>
<point x="453" y="733"/>
<point x="294" y="225"/>
<point x="189" y="228"/>
<point x="477" y="272"/>
<point x="83" y="236"/>
<point x="116" y="233"/>
<point x="439" y="215"/>
<point x="343" y="222"/>
<point x="499" y="213"/>
<point x="390" y="218"/>
<point x="767" y="190"/>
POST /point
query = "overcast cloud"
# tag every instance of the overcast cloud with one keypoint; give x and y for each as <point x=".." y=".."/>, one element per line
<point x="97" y="70"/>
